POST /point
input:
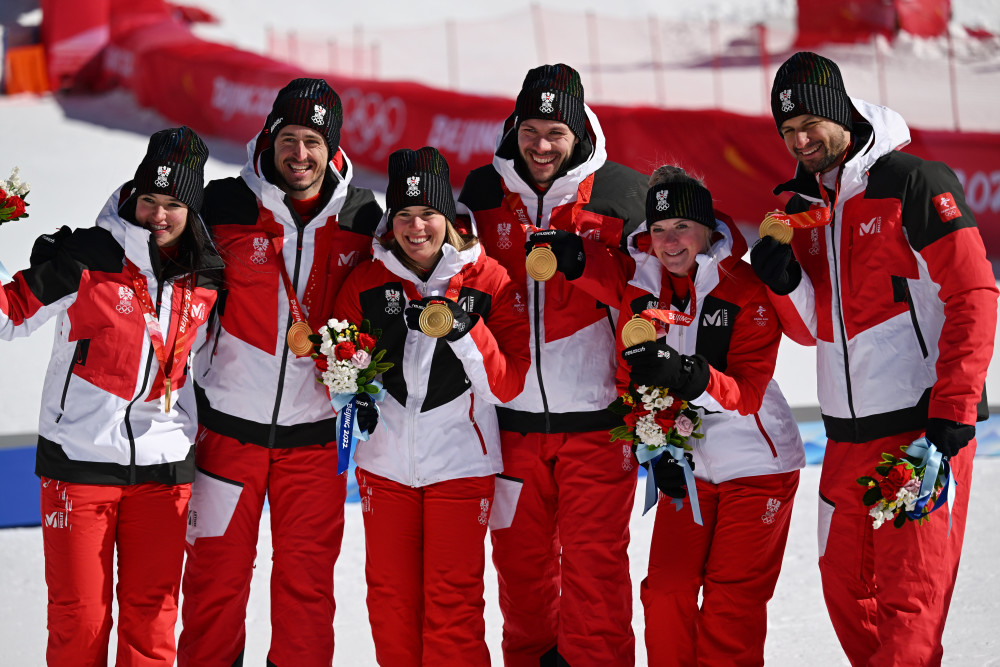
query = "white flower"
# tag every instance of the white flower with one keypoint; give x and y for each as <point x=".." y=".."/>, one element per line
<point x="341" y="378"/>
<point x="879" y="514"/>
<point x="649" y="432"/>
<point x="338" y="325"/>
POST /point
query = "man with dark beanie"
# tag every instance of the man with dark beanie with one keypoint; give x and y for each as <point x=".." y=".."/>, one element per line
<point x="290" y="229"/>
<point x="887" y="276"/>
<point x="565" y="590"/>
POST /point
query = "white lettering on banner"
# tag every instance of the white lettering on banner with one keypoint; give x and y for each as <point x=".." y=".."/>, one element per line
<point x="374" y="124"/>
<point x="119" y="61"/>
<point x="231" y="98"/>
<point x="982" y="190"/>
<point x="464" y="137"/>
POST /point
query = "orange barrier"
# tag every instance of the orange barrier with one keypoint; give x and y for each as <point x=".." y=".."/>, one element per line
<point x="24" y="70"/>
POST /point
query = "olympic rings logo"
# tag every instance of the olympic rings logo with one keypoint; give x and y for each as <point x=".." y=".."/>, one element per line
<point x="371" y="122"/>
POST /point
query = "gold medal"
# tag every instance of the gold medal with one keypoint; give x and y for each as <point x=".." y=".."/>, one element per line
<point x="298" y="339"/>
<point x="776" y="229"/>
<point x="166" y="397"/>
<point x="541" y="263"/>
<point x="638" y="330"/>
<point x="436" y="320"/>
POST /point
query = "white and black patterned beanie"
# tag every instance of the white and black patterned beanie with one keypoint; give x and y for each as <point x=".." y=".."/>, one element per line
<point x="553" y="92"/>
<point x="419" y="178"/>
<point x="808" y="83"/>
<point x="174" y="165"/>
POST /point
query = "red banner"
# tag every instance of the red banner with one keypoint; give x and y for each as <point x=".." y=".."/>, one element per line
<point x="221" y="91"/>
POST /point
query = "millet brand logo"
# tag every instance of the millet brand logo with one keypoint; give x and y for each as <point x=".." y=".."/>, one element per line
<point x="719" y="318"/>
<point x="350" y="259"/>
<point x="873" y="226"/>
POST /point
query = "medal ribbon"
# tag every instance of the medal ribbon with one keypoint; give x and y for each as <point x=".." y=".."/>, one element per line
<point x="153" y="325"/>
<point x="816" y="216"/>
<point x="452" y="292"/>
<point x="293" y="302"/>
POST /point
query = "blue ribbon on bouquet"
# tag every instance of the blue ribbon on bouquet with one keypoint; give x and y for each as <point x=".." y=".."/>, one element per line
<point x="645" y="454"/>
<point x="5" y="276"/>
<point x="348" y="431"/>
<point x="935" y="465"/>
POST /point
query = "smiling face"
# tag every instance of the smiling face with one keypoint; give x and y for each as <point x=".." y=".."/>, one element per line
<point x="816" y="142"/>
<point x="300" y="157"/>
<point x="676" y="242"/>
<point x="164" y="216"/>
<point x="419" y="231"/>
<point x="545" y="146"/>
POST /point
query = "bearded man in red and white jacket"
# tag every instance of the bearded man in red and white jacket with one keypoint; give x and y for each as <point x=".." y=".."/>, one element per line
<point x="565" y="590"/>
<point x="895" y="291"/>
<point x="290" y="229"/>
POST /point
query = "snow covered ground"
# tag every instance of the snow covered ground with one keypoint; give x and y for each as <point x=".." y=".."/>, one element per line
<point x="76" y="150"/>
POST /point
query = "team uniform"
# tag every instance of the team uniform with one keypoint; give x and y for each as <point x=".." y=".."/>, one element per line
<point x="115" y="462"/>
<point x="900" y="301"/>
<point x="267" y="427"/>
<point x="563" y="580"/>
<point x="426" y="475"/>
<point x="746" y="465"/>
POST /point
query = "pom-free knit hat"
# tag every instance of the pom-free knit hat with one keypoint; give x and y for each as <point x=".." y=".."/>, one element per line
<point x="684" y="199"/>
<point x="808" y="83"/>
<point x="174" y="165"/>
<point x="553" y="92"/>
<point x="419" y="178"/>
<point x="310" y="103"/>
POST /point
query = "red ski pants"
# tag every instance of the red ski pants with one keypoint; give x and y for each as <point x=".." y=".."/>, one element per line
<point x="562" y="564"/>
<point x="733" y="560"/>
<point x="425" y="559"/>
<point x="306" y="499"/>
<point x="82" y="525"/>
<point x="887" y="590"/>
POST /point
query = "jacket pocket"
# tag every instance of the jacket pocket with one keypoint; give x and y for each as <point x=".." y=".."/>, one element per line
<point x="213" y="502"/>
<point x="79" y="359"/>
<point x="763" y="433"/>
<point x="823" y="524"/>
<point x="901" y="294"/>
<point x="472" y="419"/>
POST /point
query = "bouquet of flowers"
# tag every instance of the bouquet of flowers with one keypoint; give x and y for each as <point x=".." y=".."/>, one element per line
<point x="12" y="194"/>
<point x="349" y="363"/>
<point x="657" y="423"/>
<point x="908" y="487"/>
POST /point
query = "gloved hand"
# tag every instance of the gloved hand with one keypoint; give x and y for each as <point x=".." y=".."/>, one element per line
<point x="365" y="414"/>
<point x="659" y="365"/>
<point x="46" y="245"/>
<point x="566" y="246"/>
<point x="949" y="436"/>
<point x="669" y="475"/>
<point x="463" y="320"/>
<point x="775" y="264"/>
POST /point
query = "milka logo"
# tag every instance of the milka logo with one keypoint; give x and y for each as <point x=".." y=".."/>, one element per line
<point x="350" y="259"/>
<point x="873" y="226"/>
<point x="719" y="318"/>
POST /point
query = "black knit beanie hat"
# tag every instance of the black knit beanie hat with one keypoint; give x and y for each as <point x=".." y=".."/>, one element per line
<point x="553" y="92"/>
<point x="174" y="165"/>
<point x="310" y="103"/>
<point x="808" y="83"/>
<point x="419" y="178"/>
<point x="685" y="199"/>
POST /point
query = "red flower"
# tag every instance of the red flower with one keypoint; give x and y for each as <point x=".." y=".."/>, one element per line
<point x="344" y="350"/>
<point x="18" y="205"/>
<point x="894" y="481"/>
<point x="3" y="194"/>
<point x="366" y="342"/>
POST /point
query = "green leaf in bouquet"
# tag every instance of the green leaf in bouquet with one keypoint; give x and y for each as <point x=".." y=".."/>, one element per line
<point x="618" y="407"/>
<point x="365" y="326"/>
<point x="378" y="355"/>
<point x="621" y="433"/>
<point x="369" y="389"/>
<point x="900" y="519"/>
<point x="315" y="339"/>
<point x="866" y="480"/>
<point x="883" y="470"/>
<point x="377" y="333"/>
<point x="888" y="458"/>
<point x="872" y="496"/>
<point x="383" y="367"/>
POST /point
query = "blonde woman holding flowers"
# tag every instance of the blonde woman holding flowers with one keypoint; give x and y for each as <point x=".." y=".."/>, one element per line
<point x="717" y="352"/>
<point x="426" y="475"/>
<point x="117" y="426"/>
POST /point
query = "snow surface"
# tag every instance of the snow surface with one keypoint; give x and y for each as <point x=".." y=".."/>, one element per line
<point x="76" y="150"/>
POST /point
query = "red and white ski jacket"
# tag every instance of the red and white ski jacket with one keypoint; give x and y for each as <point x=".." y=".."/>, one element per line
<point x="571" y="380"/>
<point x="896" y="293"/>
<point x="102" y="418"/>
<point x="748" y="426"/>
<point x="438" y="420"/>
<point x="250" y="386"/>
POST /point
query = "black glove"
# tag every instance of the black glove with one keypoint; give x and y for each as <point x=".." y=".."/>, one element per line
<point x="775" y="264"/>
<point x="463" y="320"/>
<point x="46" y="245"/>
<point x="949" y="436"/>
<point x="365" y="413"/>
<point x="669" y="475"/>
<point x="659" y="365"/>
<point x="566" y="246"/>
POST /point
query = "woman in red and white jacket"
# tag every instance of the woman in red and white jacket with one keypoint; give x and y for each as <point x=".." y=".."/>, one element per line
<point x="117" y="426"/>
<point x="426" y="475"/>
<point x="746" y="467"/>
